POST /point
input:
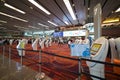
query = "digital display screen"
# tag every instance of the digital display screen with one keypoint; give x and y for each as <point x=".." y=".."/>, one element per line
<point x="58" y="34"/>
<point x="74" y="33"/>
<point x="95" y="48"/>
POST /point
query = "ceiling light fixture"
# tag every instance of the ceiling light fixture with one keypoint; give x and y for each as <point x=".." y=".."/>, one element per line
<point x="13" y="17"/>
<point x="118" y="10"/>
<point x="39" y="6"/>
<point x="3" y="21"/>
<point x="111" y="20"/>
<point x="69" y="7"/>
<point x="88" y="8"/>
<point x="66" y="23"/>
<point x="43" y="25"/>
<point x="52" y="23"/>
<point x="18" y="26"/>
<point x="33" y="27"/>
<point x="2" y="28"/>
<point x="18" y="10"/>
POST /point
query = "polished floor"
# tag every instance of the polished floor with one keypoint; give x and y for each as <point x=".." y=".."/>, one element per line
<point x="55" y="67"/>
<point x="11" y="70"/>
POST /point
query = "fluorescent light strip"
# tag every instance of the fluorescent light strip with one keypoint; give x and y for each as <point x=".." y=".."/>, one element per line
<point x="3" y="21"/>
<point x="2" y="28"/>
<point x="33" y="27"/>
<point x="69" y="7"/>
<point x="111" y="21"/>
<point x="13" y="17"/>
<point x="18" y="10"/>
<point x="66" y="23"/>
<point x="39" y="6"/>
<point x="18" y="26"/>
<point x="52" y="23"/>
<point x="43" y="25"/>
<point x="118" y="10"/>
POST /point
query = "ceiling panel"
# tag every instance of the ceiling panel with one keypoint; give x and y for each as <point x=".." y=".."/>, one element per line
<point x="80" y="10"/>
<point x="63" y="7"/>
<point x="59" y="13"/>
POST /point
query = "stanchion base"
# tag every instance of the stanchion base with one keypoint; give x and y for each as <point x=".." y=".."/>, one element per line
<point x="40" y="76"/>
<point x="77" y="79"/>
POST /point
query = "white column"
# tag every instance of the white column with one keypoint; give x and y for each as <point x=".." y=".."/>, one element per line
<point x="97" y="21"/>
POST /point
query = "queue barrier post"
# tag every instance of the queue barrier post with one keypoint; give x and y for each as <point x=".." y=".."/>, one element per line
<point x="41" y="74"/>
<point x="3" y="53"/>
<point x="9" y="55"/>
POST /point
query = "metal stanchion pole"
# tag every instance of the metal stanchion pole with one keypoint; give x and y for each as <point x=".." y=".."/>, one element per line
<point x="40" y="61"/>
<point x="9" y="55"/>
<point x="21" y="61"/>
<point x="79" y="68"/>
<point x="40" y="75"/>
<point x="3" y="53"/>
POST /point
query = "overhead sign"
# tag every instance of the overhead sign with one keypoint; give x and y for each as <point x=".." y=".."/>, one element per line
<point x="74" y="33"/>
<point x="58" y="34"/>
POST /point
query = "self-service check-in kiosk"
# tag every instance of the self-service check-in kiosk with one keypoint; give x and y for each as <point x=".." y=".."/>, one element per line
<point x="114" y="53"/>
<point x="21" y="45"/>
<point x="117" y="43"/>
<point x="98" y="52"/>
<point x="34" y="45"/>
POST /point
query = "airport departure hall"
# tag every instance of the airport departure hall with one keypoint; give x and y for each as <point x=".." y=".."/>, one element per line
<point x="59" y="39"/>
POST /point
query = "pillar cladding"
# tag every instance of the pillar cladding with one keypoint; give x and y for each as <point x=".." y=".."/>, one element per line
<point x="97" y="20"/>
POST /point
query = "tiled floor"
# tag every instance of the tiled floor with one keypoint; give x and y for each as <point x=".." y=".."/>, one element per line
<point x="11" y="70"/>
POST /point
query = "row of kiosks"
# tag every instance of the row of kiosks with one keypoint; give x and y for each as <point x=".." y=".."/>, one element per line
<point x="97" y="51"/>
<point x="38" y="42"/>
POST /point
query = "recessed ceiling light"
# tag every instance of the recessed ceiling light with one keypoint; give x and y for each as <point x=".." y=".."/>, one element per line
<point x="69" y="7"/>
<point x="3" y="21"/>
<point x="31" y="7"/>
<point x="73" y="4"/>
<point x="39" y="6"/>
<point x="13" y="17"/>
<point x="16" y="9"/>
<point x="52" y="23"/>
<point x="88" y="8"/>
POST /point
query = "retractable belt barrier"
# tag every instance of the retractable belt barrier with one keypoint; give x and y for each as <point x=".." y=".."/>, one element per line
<point x="76" y="59"/>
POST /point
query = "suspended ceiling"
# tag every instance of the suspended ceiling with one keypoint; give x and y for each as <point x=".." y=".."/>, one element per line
<point x="59" y="13"/>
